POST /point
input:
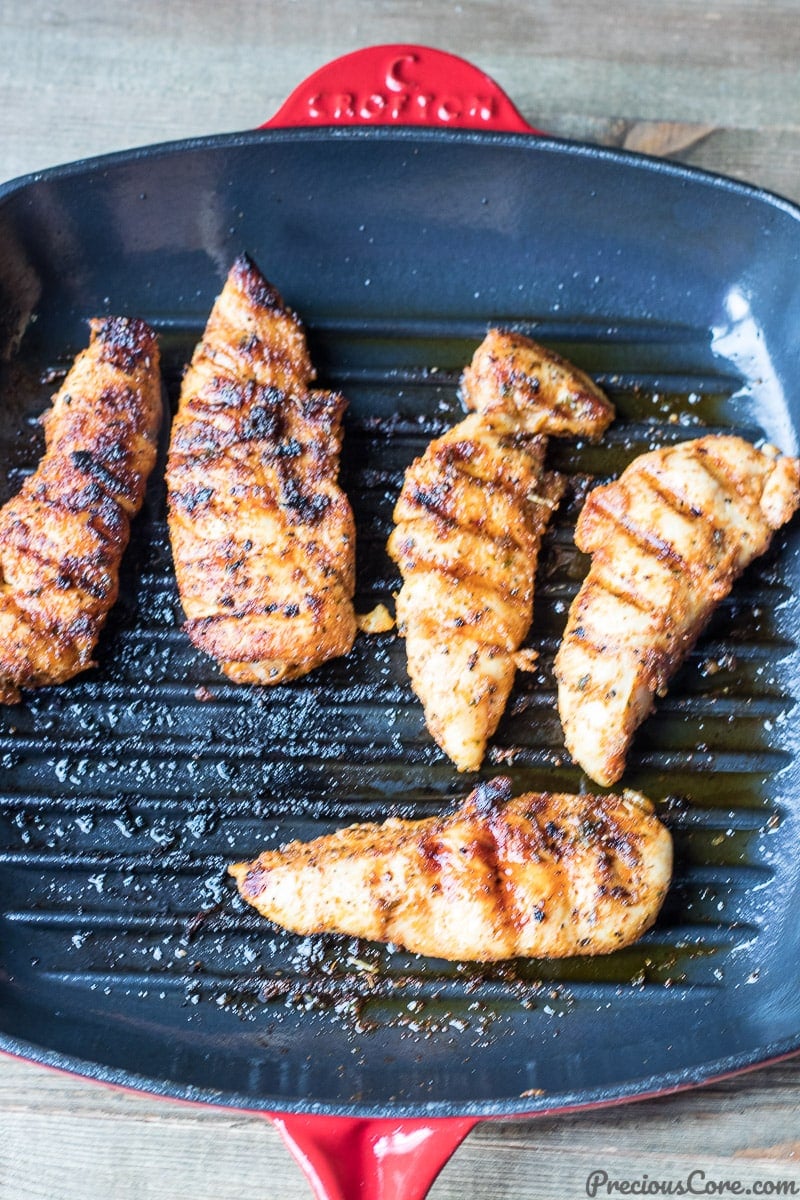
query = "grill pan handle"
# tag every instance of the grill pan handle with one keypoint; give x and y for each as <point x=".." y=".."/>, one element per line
<point x="377" y="1159"/>
<point x="381" y="1159"/>
<point x="400" y="85"/>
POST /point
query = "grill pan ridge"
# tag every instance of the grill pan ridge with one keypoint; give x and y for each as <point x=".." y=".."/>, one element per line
<point x="124" y="794"/>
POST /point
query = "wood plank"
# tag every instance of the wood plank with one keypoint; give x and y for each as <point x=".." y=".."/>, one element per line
<point x="768" y="158"/>
<point x="77" y="83"/>
<point x="716" y="85"/>
<point x="117" y="1143"/>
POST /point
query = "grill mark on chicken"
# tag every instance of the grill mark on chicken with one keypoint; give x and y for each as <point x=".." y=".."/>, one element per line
<point x="539" y="875"/>
<point x="263" y="537"/>
<point x="468" y="526"/>
<point x="533" y="389"/>
<point x="63" y="535"/>
<point x="487" y="801"/>
<point x="626" y="595"/>
<point x="660" y="546"/>
<point x="670" y="496"/>
<point x="644" y="539"/>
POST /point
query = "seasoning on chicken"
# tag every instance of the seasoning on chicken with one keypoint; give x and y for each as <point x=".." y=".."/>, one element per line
<point x="523" y="387"/>
<point x="537" y="876"/>
<point x="469" y="523"/>
<point x="667" y="540"/>
<point x="262" y="536"/>
<point x="63" y="535"/>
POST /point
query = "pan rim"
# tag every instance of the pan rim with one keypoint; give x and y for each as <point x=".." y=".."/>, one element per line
<point x="577" y="1100"/>
<point x="632" y="159"/>
<point x="627" y="1091"/>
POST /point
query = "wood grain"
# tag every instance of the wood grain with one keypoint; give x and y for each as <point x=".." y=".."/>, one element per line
<point x="66" y="1139"/>
<point x="714" y="85"/>
<point x="85" y="79"/>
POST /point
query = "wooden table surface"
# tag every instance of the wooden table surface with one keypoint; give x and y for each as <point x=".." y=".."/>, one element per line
<point x="717" y="85"/>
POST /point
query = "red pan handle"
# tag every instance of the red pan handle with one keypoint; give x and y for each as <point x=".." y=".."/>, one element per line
<point x="348" y="1158"/>
<point x="400" y="85"/>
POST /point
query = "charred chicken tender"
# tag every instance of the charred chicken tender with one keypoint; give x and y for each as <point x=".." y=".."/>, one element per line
<point x="262" y="535"/>
<point x="540" y="875"/>
<point x="668" y="539"/>
<point x="468" y="526"/>
<point x="63" y="535"/>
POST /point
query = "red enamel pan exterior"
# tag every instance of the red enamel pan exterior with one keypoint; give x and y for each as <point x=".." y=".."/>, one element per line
<point x="123" y="955"/>
<point x="400" y="85"/>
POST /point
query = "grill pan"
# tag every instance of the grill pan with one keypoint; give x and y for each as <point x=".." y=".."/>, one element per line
<point x="124" y="954"/>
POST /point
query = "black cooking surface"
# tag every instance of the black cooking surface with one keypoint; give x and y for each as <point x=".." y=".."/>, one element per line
<point x="124" y="794"/>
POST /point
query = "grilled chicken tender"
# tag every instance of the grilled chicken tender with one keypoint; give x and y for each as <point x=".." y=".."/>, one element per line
<point x="63" y="536"/>
<point x="262" y="536"/>
<point x="538" y="876"/>
<point x="667" y="540"/>
<point x="469" y="523"/>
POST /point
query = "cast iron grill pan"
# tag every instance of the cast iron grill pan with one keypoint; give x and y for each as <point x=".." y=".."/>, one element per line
<point x="124" y="794"/>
